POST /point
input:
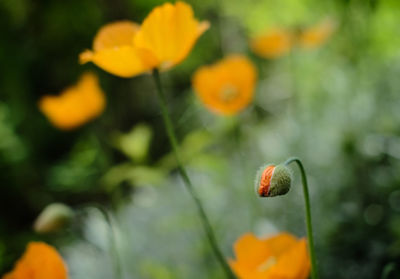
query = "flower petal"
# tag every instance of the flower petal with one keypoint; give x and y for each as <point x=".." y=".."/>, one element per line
<point x="292" y="264"/>
<point x="169" y="32"/>
<point x="75" y="105"/>
<point x="113" y="50"/>
<point x="40" y="261"/>
<point x="124" y="61"/>
<point x="115" y="34"/>
<point x="280" y="243"/>
<point x="251" y="251"/>
<point x="316" y="35"/>
<point x="278" y="257"/>
<point x="227" y="86"/>
<point x="272" y="44"/>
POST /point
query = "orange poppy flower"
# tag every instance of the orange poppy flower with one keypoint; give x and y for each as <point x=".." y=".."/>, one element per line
<point x="279" y="257"/>
<point x="40" y="261"/>
<point x="165" y="39"/>
<point x="316" y="35"/>
<point x="272" y="44"/>
<point x="227" y="86"/>
<point x="76" y="105"/>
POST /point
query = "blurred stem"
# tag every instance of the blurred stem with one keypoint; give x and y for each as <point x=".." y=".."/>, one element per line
<point x="387" y="270"/>
<point x="218" y="28"/>
<point x="174" y="143"/>
<point x="113" y="239"/>
<point x="293" y="73"/>
<point x="314" y="274"/>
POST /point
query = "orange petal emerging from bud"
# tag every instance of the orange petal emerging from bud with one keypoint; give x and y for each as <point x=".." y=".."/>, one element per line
<point x="76" y="105"/>
<point x="273" y="181"/>
<point x="281" y="256"/>
<point x="227" y="86"/>
<point x="265" y="181"/>
<point x="40" y="261"/>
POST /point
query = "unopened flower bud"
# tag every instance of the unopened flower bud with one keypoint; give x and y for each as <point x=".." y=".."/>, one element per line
<point x="52" y="218"/>
<point x="273" y="181"/>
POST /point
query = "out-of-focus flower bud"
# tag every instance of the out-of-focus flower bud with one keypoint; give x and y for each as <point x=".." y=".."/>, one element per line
<point x="53" y="218"/>
<point x="273" y="180"/>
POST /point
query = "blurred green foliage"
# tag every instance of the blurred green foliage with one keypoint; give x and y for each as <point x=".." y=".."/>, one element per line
<point x="336" y="107"/>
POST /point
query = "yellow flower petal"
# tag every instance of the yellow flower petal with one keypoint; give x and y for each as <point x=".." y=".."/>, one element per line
<point x="280" y="243"/>
<point x="169" y="32"/>
<point x="251" y="251"/>
<point x="124" y="61"/>
<point x="40" y="261"/>
<point x="317" y="35"/>
<point x="272" y="44"/>
<point x="293" y="264"/>
<point x="114" y="52"/>
<point x="115" y="34"/>
<point x="76" y="105"/>
<point x="281" y="256"/>
<point x="226" y="87"/>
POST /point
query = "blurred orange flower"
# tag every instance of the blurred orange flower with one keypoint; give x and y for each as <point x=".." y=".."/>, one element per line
<point x="76" y="105"/>
<point x="316" y="35"/>
<point x="40" y="261"/>
<point x="227" y="86"/>
<point x="272" y="44"/>
<point x="278" y="42"/>
<point x="165" y="39"/>
<point x="280" y="257"/>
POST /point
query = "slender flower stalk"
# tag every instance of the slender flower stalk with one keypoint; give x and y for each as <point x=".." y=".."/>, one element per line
<point x="314" y="274"/>
<point x="114" y="247"/>
<point x="294" y="80"/>
<point x="174" y="143"/>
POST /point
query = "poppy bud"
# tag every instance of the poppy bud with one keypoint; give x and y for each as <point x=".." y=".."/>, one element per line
<point x="273" y="181"/>
<point x="52" y="218"/>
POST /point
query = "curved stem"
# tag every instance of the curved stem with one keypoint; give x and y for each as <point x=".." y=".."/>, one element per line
<point x="310" y="236"/>
<point x="114" y="247"/>
<point x="174" y="143"/>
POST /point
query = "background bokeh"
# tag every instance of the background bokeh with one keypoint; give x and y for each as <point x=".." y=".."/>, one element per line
<point x="336" y="107"/>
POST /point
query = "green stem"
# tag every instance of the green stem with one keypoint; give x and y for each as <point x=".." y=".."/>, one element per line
<point x="294" y="74"/>
<point x="314" y="274"/>
<point x="387" y="270"/>
<point x="117" y="263"/>
<point x="174" y="143"/>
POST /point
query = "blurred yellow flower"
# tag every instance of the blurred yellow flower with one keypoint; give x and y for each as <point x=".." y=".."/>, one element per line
<point x="280" y="257"/>
<point x="76" y="105"/>
<point x="165" y="39"/>
<point x="272" y="44"/>
<point x="316" y="35"/>
<point x="40" y="261"/>
<point x="278" y="42"/>
<point x="227" y="86"/>
<point x="114" y="52"/>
